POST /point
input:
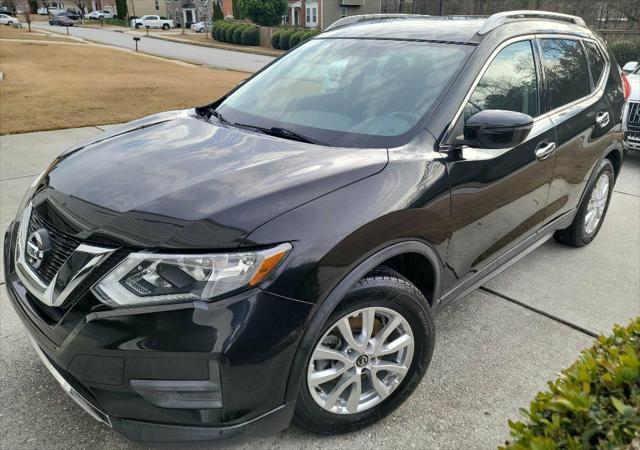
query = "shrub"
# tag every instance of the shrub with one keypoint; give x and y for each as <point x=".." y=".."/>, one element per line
<point x="237" y="34"/>
<point x="215" y="29"/>
<point x="275" y="40"/>
<point x="309" y="34"/>
<point x="296" y="38"/>
<point x="594" y="404"/>
<point x="251" y="36"/>
<point x="625" y="51"/>
<point x="285" y="36"/>
<point x="263" y="12"/>
<point x="231" y="28"/>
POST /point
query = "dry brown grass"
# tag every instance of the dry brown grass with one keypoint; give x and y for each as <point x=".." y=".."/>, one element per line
<point x="23" y="33"/>
<point x="50" y="86"/>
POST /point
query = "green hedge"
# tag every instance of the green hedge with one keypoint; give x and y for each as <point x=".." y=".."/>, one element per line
<point x="595" y="404"/>
<point x="287" y="38"/>
<point x="625" y="51"/>
<point x="235" y="33"/>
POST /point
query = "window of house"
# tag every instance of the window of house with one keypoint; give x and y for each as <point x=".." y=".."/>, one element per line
<point x="510" y="83"/>
<point x="312" y="15"/>
<point x="565" y="69"/>
<point x="343" y="12"/>
<point x="596" y="61"/>
<point x="157" y="4"/>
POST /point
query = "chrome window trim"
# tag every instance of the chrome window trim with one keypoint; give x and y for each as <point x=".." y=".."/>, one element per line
<point x="597" y="90"/>
<point x="70" y="275"/>
<point x="533" y="38"/>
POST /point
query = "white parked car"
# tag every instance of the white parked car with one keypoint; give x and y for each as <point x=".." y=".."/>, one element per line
<point x="6" y="19"/>
<point x="100" y="14"/>
<point x="201" y="27"/>
<point x="152" y="22"/>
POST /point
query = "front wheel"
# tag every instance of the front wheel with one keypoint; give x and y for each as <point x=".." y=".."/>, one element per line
<point x="592" y="210"/>
<point x="368" y="358"/>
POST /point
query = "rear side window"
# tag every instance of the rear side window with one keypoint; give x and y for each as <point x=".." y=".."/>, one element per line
<point x="510" y="83"/>
<point x="565" y="69"/>
<point x="596" y="61"/>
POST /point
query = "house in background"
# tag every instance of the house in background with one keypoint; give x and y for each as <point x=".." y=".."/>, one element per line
<point x="141" y="8"/>
<point x="192" y="11"/>
<point x="322" y="13"/>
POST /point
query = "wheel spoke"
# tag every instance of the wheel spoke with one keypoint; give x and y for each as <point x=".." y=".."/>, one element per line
<point x="389" y="367"/>
<point x="346" y="380"/>
<point x="347" y="333"/>
<point x="354" y="396"/>
<point x="324" y="376"/>
<point x="368" y="320"/>
<point x="325" y="353"/>
<point x="386" y="331"/>
<point x="395" y="346"/>
<point x="381" y="389"/>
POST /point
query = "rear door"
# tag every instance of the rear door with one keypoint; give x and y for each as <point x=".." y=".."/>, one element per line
<point x="575" y="73"/>
<point x="498" y="197"/>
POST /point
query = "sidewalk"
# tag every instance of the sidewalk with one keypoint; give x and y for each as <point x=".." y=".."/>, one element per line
<point x="494" y="349"/>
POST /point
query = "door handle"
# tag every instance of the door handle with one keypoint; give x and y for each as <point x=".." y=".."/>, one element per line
<point x="602" y="119"/>
<point x="544" y="150"/>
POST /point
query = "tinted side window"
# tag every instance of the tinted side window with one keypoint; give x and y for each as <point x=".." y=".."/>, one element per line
<point x="510" y="83"/>
<point x="565" y="70"/>
<point x="596" y="61"/>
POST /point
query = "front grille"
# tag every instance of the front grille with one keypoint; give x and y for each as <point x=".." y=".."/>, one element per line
<point x="633" y="119"/>
<point x="62" y="245"/>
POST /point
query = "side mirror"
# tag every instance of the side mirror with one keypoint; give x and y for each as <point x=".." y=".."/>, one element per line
<point x="495" y="128"/>
<point x="630" y="66"/>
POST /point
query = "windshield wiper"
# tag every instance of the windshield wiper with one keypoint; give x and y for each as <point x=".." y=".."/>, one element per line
<point x="280" y="132"/>
<point x="218" y="116"/>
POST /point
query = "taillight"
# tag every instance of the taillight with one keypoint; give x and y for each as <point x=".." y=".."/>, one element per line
<point x="626" y="86"/>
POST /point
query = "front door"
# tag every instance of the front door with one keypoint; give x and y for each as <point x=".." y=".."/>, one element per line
<point x="498" y="197"/>
<point x="189" y="16"/>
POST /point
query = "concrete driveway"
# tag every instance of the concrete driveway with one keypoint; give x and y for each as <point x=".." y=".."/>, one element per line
<point x="495" y="349"/>
<point x="213" y="57"/>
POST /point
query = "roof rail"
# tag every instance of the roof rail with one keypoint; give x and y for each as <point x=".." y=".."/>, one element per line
<point x="501" y="18"/>
<point x="350" y="20"/>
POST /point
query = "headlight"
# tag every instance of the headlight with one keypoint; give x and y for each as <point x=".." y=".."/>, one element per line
<point x="144" y="278"/>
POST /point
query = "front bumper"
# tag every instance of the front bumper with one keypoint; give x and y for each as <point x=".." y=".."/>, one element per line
<point x="199" y="371"/>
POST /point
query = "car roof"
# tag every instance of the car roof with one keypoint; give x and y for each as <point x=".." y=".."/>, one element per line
<point x="456" y="29"/>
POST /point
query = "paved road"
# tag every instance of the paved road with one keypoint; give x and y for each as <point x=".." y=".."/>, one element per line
<point x="492" y="355"/>
<point x="213" y="57"/>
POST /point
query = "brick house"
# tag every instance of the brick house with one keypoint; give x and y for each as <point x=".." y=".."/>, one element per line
<point x="192" y="11"/>
<point x="322" y="13"/>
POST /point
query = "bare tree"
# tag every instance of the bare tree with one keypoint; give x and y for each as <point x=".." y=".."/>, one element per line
<point x="27" y="17"/>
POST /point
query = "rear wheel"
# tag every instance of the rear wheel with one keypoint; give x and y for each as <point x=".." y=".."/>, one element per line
<point x="165" y="26"/>
<point x="592" y="210"/>
<point x="369" y="357"/>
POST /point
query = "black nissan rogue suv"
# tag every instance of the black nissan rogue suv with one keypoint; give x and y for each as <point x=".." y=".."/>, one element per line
<point x="217" y="273"/>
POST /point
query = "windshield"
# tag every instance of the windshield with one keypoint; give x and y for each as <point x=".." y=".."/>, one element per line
<point x="348" y="92"/>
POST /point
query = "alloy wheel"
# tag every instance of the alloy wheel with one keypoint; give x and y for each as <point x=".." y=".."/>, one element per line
<point x="360" y="360"/>
<point x="597" y="204"/>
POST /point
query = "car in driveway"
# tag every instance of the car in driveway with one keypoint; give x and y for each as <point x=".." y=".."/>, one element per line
<point x="278" y="255"/>
<point x="201" y="27"/>
<point x="61" y="20"/>
<point x="70" y="14"/>
<point x="6" y="19"/>
<point x="100" y="15"/>
<point x="632" y="111"/>
<point x="151" y="21"/>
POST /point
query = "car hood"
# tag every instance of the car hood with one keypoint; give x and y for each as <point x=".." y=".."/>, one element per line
<point x="176" y="180"/>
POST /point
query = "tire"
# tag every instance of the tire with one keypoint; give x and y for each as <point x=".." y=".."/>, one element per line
<point x="165" y="27"/>
<point x="138" y="26"/>
<point x="391" y="295"/>
<point x="578" y="233"/>
<point x="51" y="23"/>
